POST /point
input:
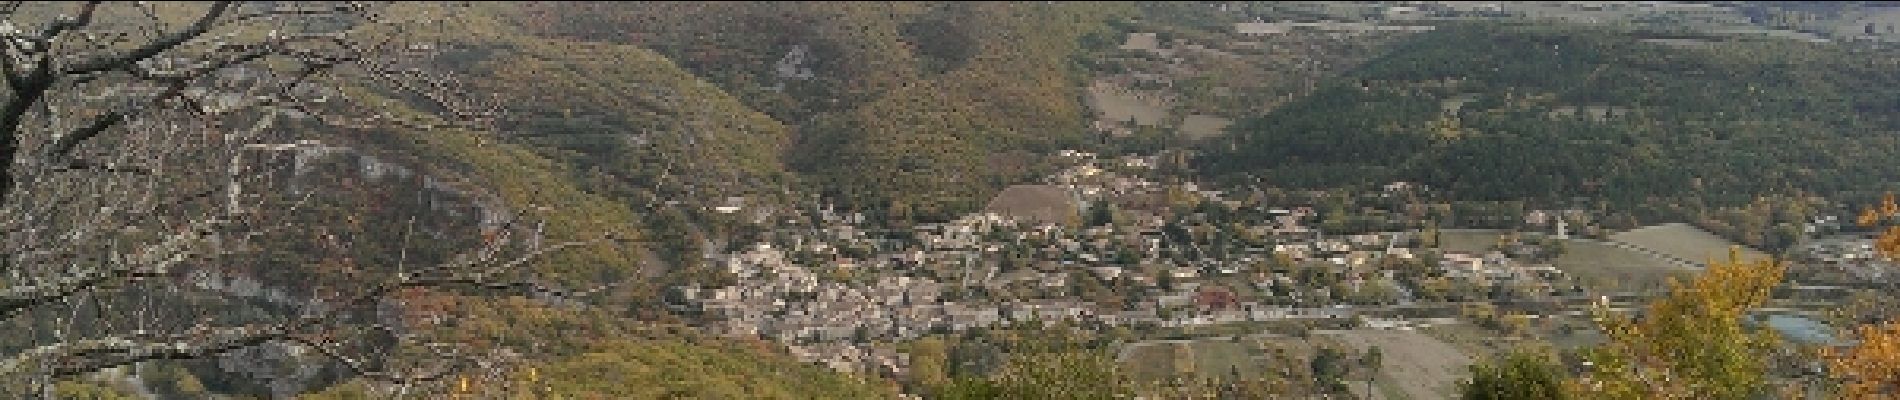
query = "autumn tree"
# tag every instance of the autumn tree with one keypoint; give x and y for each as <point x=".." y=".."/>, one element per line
<point x="1071" y="374"/>
<point x="1871" y="369"/>
<point x="1881" y="215"/>
<point x="1690" y="343"/>
<point x="929" y="361"/>
<point x="1518" y="375"/>
<point x="1053" y="364"/>
<point x="137" y="142"/>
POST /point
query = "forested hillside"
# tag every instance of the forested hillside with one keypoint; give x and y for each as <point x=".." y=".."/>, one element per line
<point x="955" y="100"/>
<point x="1494" y="112"/>
<point x="631" y="122"/>
<point x="641" y="135"/>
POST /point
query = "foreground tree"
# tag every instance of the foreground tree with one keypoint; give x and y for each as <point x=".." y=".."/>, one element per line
<point x="1519" y="375"/>
<point x="1871" y="368"/>
<point x="136" y="146"/>
<point x="1044" y="363"/>
<point x="1690" y="343"/>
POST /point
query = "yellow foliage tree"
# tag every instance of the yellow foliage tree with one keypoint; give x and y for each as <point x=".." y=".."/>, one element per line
<point x="1889" y="242"/>
<point x="1871" y="369"/>
<point x="1076" y="374"/>
<point x="1690" y="343"/>
<point x="928" y="359"/>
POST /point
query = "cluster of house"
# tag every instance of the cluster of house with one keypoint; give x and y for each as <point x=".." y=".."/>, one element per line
<point x="1496" y="268"/>
<point x="1855" y="256"/>
<point x="853" y="358"/>
<point x="791" y="291"/>
<point x="1403" y="324"/>
<point x="1492" y="265"/>
<point x="1261" y="28"/>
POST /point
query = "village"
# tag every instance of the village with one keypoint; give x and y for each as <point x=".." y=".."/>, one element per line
<point x="830" y="293"/>
<point x="1104" y="243"/>
<point x="1128" y="243"/>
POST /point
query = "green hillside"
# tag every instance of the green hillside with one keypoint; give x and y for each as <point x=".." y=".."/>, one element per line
<point x="631" y="134"/>
<point x="596" y="140"/>
<point x="1548" y="113"/>
<point x="653" y="368"/>
<point x="945" y="140"/>
<point x="672" y="369"/>
<point x="953" y="98"/>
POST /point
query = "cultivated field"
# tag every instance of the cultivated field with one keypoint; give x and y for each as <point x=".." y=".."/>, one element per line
<point x="1039" y="202"/>
<point x="1605" y="266"/>
<point x="1118" y="104"/>
<point x="1601" y="265"/>
<point x="1203" y="126"/>
<point x="1684" y="242"/>
<point x="1212" y="357"/>
<point x="1205" y="358"/>
<point x="1468" y="240"/>
<point x="1148" y="361"/>
<point x="1610" y="268"/>
<point x="1419" y="366"/>
<point x="1469" y="339"/>
<point x="1251" y="356"/>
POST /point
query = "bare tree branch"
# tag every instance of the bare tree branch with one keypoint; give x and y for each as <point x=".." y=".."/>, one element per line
<point x="63" y="25"/>
<point x="178" y="80"/>
<point x="72" y="358"/>
<point x="89" y="165"/>
<point x="362" y="368"/>
<point x="117" y="167"/>
<point x="167" y="42"/>
<point x="27" y="92"/>
<point x="154" y="260"/>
